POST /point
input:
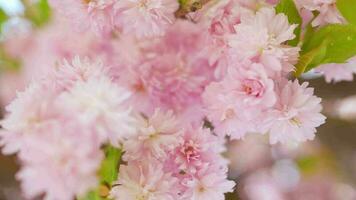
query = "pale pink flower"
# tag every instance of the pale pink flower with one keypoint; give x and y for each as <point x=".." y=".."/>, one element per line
<point x="237" y="101"/>
<point x="221" y="111"/>
<point x="198" y="148"/>
<point x="296" y="114"/>
<point x="328" y="12"/>
<point x="100" y="101"/>
<point x="145" y="18"/>
<point x="255" y="5"/>
<point x="156" y="136"/>
<point x="173" y="81"/>
<point x="262" y="37"/>
<point x="96" y="15"/>
<point x="173" y="72"/>
<point x="61" y="162"/>
<point x="261" y="185"/>
<point x="250" y="85"/>
<point x="336" y="72"/>
<point x="78" y="70"/>
<point x="31" y="110"/>
<point x="148" y="182"/>
<point x="208" y="185"/>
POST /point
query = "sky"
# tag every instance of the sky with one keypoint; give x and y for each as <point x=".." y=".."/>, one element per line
<point x="11" y="7"/>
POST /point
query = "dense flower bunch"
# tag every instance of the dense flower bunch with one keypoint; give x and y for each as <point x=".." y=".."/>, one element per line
<point x="166" y="82"/>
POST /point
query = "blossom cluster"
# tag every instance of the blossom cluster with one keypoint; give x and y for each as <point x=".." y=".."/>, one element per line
<point x="167" y="91"/>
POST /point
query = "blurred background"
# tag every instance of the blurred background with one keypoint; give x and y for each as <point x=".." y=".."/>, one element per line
<point x="323" y="169"/>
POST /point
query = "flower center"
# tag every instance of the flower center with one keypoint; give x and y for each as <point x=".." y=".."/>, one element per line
<point x="190" y="150"/>
<point x="253" y="87"/>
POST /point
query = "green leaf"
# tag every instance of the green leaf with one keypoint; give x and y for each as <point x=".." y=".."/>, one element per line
<point x="347" y="9"/>
<point x="39" y="13"/>
<point x="290" y="10"/>
<point x="93" y="195"/>
<point x="311" y="59"/>
<point x="342" y="42"/>
<point x="334" y="43"/>
<point x="110" y="165"/>
<point x="3" y="16"/>
<point x="7" y="62"/>
<point x="108" y="173"/>
<point x="307" y="164"/>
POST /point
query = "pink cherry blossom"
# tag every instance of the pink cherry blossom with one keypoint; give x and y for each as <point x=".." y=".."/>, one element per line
<point x="296" y="114"/>
<point x="236" y="102"/>
<point x="208" y="185"/>
<point x="328" y="12"/>
<point x="262" y="36"/>
<point x="173" y="72"/>
<point x="70" y="72"/>
<point x="338" y="72"/>
<point x="144" y="182"/>
<point x="31" y="110"/>
<point x="94" y="15"/>
<point x="102" y="102"/>
<point x="145" y="18"/>
<point x="198" y="148"/>
<point x="51" y="167"/>
<point x="156" y="136"/>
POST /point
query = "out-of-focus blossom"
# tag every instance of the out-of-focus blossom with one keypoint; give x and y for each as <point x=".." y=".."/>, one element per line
<point x="338" y="72"/>
<point x="328" y="13"/>
<point x="145" y="18"/>
<point x="261" y="185"/>
<point x="52" y="167"/>
<point x="95" y="15"/>
<point x="172" y="75"/>
<point x="102" y="102"/>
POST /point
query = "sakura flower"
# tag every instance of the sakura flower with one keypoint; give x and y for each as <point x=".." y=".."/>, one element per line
<point x="32" y="109"/>
<point x="173" y="81"/>
<point x="261" y="36"/>
<point x="68" y="73"/>
<point x="262" y="185"/>
<point x="237" y="101"/>
<point x="145" y="18"/>
<point x="60" y="163"/>
<point x="328" y="12"/>
<point x="255" y="5"/>
<point x="156" y="137"/>
<point x="338" y="72"/>
<point x="102" y="102"/>
<point x="198" y="148"/>
<point x="92" y="14"/>
<point x="144" y="182"/>
<point x="296" y="114"/>
<point x="208" y="185"/>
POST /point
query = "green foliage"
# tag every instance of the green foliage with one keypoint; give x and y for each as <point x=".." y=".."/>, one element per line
<point x="93" y="195"/>
<point x="110" y="165"/>
<point x="7" y="62"/>
<point x="335" y="43"/>
<point x="288" y="8"/>
<point x="39" y="13"/>
<point x="108" y="173"/>
<point x="308" y="164"/>
<point x="347" y="9"/>
<point x="3" y="16"/>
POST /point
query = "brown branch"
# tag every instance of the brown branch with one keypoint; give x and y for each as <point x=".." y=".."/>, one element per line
<point x="191" y="6"/>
